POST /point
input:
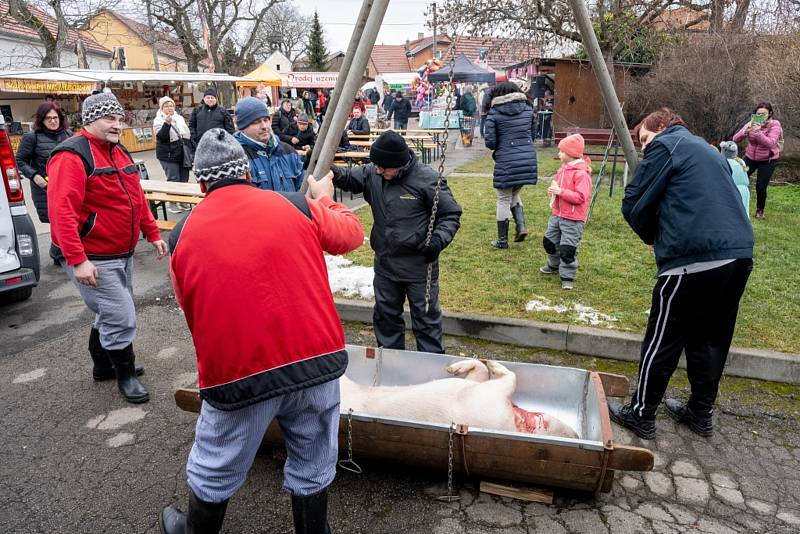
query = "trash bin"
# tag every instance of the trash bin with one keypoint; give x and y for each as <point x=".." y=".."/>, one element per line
<point x="467" y="126"/>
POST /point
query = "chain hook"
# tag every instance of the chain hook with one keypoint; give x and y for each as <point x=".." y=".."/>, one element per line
<point x="350" y="464"/>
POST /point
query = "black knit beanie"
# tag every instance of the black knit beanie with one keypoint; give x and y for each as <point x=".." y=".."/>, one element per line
<point x="390" y="151"/>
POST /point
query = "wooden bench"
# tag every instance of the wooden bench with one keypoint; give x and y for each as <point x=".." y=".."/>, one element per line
<point x="166" y="225"/>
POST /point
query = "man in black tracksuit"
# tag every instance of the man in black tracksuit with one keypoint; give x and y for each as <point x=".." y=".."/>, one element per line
<point x="400" y="190"/>
<point x="682" y="202"/>
<point x="209" y="115"/>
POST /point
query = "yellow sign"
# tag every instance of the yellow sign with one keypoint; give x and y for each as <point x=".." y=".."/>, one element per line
<point x="45" y="86"/>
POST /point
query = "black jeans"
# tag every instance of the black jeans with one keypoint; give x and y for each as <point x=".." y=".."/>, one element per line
<point x="765" y="170"/>
<point x="387" y="319"/>
<point x="695" y="313"/>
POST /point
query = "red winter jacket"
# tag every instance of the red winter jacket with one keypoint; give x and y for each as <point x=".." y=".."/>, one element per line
<point x="763" y="143"/>
<point x="576" y="192"/>
<point x="98" y="217"/>
<point x="248" y="271"/>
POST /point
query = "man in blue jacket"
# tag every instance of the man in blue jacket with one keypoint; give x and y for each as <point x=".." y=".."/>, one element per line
<point x="274" y="165"/>
<point x="683" y="203"/>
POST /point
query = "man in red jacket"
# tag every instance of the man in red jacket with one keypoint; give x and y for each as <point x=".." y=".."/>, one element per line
<point x="268" y="339"/>
<point x="97" y="211"/>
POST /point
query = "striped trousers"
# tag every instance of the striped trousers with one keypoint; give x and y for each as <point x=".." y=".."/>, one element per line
<point x="695" y="313"/>
<point x="226" y="443"/>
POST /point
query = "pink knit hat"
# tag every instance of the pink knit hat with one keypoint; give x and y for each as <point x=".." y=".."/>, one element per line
<point x="572" y="145"/>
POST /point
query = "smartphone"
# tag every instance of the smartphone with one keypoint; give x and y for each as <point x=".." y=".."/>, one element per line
<point x="758" y="119"/>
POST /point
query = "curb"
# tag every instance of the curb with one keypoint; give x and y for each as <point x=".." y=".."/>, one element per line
<point x="612" y="344"/>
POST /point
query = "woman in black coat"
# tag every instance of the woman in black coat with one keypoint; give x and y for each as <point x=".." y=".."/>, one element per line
<point x="49" y="130"/>
<point x="509" y="133"/>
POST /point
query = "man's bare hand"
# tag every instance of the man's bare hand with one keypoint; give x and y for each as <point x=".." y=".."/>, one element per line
<point x="322" y="187"/>
<point x="86" y="274"/>
<point x="161" y="248"/>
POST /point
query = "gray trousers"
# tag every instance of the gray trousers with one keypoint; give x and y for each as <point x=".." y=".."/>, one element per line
<point x="226" y="442"/>
<point x="387" y="317"/>
<point x="111" y="301"/>
<point x="561" y="242"/>
<point x="175" y="172"/>
<point x="506" y="199"/>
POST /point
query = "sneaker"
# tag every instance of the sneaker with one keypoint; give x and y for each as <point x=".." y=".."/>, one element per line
<point x="185" y="206"/>
<point x="547" y="270"/>
<point x="625" y="416"/>
<point x="702" y="426"/>
<point x="566" y="284"/>
<point x="174" y="208"/>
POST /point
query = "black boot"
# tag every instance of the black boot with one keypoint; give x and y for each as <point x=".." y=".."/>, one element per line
<point x="202" y="518"/>
<point x="103" y="370"/>
<point x="519" y="218"/>
<point x="128" y="384"/>
<point x="502" y="235"/>
<point x="702" y="426"/>
<point x="644" y="427"/>
<point x="311" y="513"/>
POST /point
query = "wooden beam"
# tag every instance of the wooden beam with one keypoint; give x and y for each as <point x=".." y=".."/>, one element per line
<point x="520" y="493"/>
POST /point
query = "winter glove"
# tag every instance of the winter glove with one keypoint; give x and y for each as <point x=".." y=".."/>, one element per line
<point x="432" y="251"/>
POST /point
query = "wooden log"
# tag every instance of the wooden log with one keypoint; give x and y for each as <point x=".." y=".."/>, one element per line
<point x="614" y="385"/>
<point x="544" y="496"/>
<point x="627" y="458"/>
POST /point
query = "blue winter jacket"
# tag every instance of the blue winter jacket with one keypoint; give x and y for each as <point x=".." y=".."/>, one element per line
<point x="277" y="167"/>
<point x="509" y="132"/>
<point x="683" y="201"/>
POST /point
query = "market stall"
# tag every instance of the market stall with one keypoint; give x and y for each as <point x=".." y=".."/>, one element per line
<point x="262" y="81"/>
<point x="22" y="91"/>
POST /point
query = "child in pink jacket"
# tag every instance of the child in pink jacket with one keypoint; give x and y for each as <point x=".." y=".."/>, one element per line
<point x="570" y="193"/>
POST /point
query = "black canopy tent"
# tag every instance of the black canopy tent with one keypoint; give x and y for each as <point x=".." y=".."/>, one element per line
<point x="464" y="71"/>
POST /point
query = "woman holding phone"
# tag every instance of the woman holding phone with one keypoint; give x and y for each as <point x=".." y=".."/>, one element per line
<point x="764" y="135"/>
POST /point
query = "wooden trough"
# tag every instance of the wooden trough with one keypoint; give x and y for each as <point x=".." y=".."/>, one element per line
<point x="576" y="396"/>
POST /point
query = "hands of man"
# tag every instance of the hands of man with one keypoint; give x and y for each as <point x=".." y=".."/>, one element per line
<point x="432" y="251"/>
<point x="86" y="274"/>
<point x="41" y="182"/>
<point x="295" y="140"/>
<point x="322" y="187"/>
<point x="161" y="248"/>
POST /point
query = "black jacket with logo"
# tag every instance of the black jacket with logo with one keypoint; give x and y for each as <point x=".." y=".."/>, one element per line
<point x="401" y="209"/>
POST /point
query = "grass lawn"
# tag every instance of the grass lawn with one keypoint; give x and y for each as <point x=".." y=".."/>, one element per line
<point x="616" y="272"/>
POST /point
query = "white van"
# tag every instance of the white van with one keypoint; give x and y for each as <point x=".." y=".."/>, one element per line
<point x="19" y="248"/>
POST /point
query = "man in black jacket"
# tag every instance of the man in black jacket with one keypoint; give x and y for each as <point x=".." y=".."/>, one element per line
<point x="284" y="122"/>
<point x="358" y="125"/>
<point x="300" y="135"/>
<point x="400" y="192"/>
<point x="401" y="109"/>
<point x="682" y="202"/>
<point x="209" y="115"/>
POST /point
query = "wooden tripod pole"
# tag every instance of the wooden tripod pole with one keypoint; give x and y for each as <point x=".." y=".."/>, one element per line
<point x="350" y="76"/>
<point x="581" y="13"/>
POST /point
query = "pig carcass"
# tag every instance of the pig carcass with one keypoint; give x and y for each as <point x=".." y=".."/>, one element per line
<point x="479" y="396"/>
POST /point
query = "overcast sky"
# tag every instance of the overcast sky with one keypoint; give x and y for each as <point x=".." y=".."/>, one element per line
<point x="403" y="20"/>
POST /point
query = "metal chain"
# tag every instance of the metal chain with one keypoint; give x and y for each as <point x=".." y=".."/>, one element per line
<point x="450" y="497"/>
<point x="349" y="464"/>
<point x="435" y="207"/>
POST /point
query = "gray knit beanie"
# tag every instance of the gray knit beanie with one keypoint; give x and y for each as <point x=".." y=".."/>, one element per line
<point x="219" y="156"/>
<point x="729" y="149"/>
<point x="100" y="105"/>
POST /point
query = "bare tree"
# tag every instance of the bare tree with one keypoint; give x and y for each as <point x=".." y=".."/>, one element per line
<point x="285" y="31"/>
<point x="224" y="20"/>
<point x="53" y="44"/>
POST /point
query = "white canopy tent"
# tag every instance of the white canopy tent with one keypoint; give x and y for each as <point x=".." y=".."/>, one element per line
<point x="89" y="75"/>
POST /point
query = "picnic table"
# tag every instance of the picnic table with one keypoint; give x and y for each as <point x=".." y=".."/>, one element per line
<point x="158" y="193"/>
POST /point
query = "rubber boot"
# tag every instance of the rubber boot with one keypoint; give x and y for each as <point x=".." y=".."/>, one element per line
<point x="103" y="370"/>
<point x="202" y="517"/>
<point x="128" y="384"/>
<point x="310" y="513"/>
<point x="519" y="219"/>
<point x="502" y="235"/>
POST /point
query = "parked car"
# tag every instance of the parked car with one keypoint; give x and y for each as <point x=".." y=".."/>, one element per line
<point x="19" y="248"/>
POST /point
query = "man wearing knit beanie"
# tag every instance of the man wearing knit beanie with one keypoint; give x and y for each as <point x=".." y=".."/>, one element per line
<point x="96" y="222"/>
<point x="400" y="191"/>
<point x="274" y="165"/>
<point x="209" y="115"/>
<point x="224" y="275"/>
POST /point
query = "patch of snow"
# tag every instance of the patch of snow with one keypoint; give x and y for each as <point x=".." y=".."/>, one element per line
<point x="585" y="314"/>
<point x="348" y="279"/>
